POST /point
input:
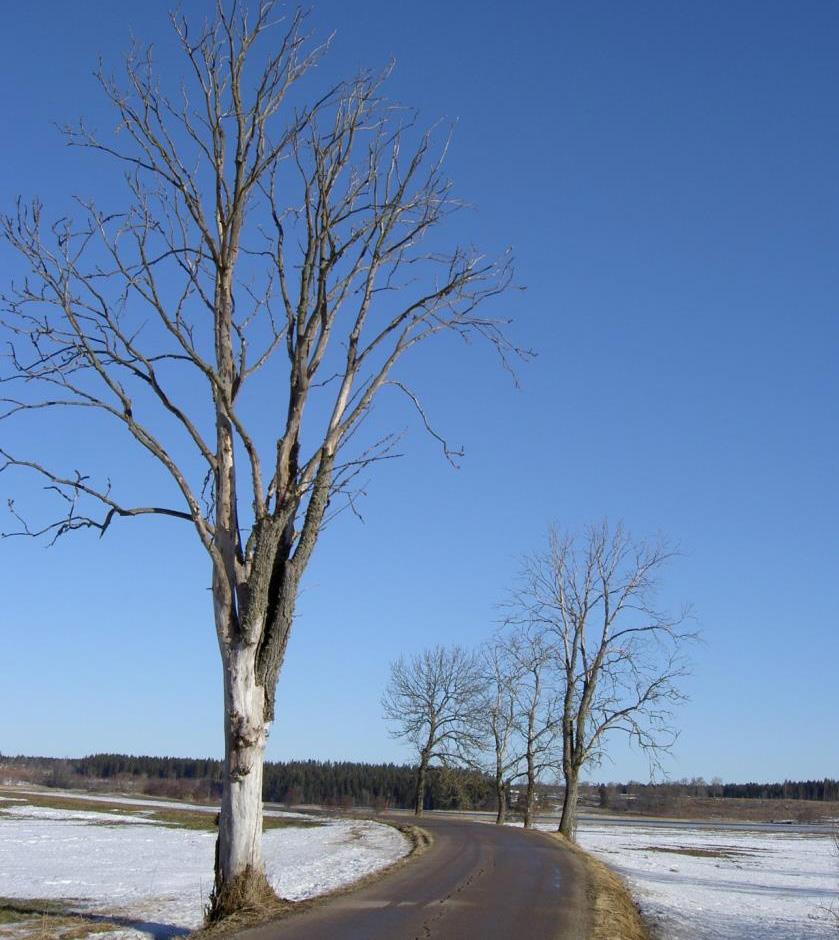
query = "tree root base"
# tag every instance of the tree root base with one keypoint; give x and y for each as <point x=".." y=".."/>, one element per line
<point x="248" y="895"/>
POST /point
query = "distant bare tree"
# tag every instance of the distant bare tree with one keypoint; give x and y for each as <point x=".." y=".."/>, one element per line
<point x="499" y="715"/>
<point x="619" y="658"/>
<point x="536" y="715"/>
<point x="434" y="699"/>
<point x="241" y="312"/>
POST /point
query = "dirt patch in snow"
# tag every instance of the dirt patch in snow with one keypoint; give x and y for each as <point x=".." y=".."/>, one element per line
<point x="695" y="852"/>
<point x="36" y="918"/>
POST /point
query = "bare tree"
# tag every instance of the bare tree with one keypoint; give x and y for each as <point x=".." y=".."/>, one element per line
<point x="499" y="715"/>
<point x="435" y="701"/>
<point x="619" y="658"/>
<point x="237" y="318"/>
<point x="536" y="713"/>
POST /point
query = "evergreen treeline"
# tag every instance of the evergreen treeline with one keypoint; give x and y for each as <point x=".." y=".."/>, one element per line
<point x="347" y="783"/>
<point x="330" y="783"/>
<point x="817" y="790"/>
<point x="107" y="766"/>
<point x="788" y="790"/>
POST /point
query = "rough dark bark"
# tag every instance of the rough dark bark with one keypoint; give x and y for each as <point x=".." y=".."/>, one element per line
<point x="422" y="776"/>
<point x="501" y="789"/>
<point x="530" y="793"/>
<point x="568" y="820"/>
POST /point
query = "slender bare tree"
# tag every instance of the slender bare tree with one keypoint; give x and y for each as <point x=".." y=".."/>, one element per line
<point x="435" y="701"/>
<point x="619" y="658"/>
<point x="536" y="708"/>
<point x="499" y="715"/>
<point x="237" y="317"/>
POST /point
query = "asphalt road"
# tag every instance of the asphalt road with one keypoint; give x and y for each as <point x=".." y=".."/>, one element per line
<point x="476" y="882"/>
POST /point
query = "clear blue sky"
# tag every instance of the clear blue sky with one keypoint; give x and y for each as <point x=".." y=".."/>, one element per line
<point x="667" y="176"/>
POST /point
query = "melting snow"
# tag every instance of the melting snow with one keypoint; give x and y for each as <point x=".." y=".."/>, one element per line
<point x="739" y="886"/>
<point x="158" y="878"/>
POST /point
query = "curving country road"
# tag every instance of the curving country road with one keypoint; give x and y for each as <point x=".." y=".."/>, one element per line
<point x="476" y="882"/>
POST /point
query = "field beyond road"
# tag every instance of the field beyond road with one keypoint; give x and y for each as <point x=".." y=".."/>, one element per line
<point x="700" y="882"/>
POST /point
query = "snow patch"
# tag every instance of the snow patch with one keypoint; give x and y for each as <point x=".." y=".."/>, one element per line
<point x="159" y="878"/>
<point x="151" y="804"/>
<point x="702" y="884"/>
<point x="83" y="817"/>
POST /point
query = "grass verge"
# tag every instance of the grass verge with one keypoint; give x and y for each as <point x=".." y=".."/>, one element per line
<point x="37" y="918"/>
<point x="615" y="916"/>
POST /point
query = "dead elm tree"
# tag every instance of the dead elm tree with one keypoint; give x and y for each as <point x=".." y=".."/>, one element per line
<point x="276" y="254"/>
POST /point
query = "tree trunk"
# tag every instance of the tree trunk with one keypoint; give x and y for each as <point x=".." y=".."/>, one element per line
<point x="419" y="801"/>
<point x="501" y="796"/>
<point x="568" y="821"/>
<point x="240" y="880"/>
<point x="530" y="794"/>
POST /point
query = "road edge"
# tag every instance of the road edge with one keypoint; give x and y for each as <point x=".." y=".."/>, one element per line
<point x="614" y="913"/>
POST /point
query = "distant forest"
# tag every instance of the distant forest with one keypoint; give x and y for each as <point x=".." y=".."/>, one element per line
<point x="326" y="783"/>
<point x="381" y="786"/>
<point x="826" y="790"/>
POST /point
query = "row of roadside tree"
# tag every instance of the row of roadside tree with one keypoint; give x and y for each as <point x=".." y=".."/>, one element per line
<point x="583" y="653"/>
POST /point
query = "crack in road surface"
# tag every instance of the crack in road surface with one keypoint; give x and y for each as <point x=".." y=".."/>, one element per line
<point x="447" y="905"/>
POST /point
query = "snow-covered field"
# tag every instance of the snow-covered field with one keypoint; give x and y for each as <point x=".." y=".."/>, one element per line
<point x="134" y="803"/>
<point x="155" y="879"/>
<point x="702" y="884"/>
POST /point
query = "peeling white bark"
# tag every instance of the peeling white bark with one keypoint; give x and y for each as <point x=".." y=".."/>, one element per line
<point x="246" y="734"/>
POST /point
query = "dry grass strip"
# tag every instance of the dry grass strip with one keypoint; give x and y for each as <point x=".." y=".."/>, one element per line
<point x="615" y="916"/>
<point x="42" y="919"/>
